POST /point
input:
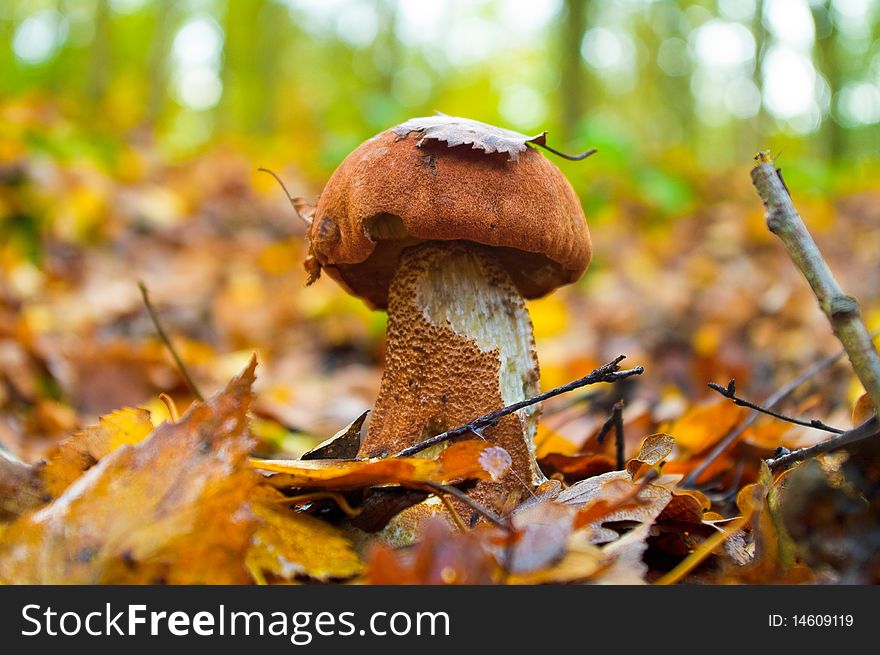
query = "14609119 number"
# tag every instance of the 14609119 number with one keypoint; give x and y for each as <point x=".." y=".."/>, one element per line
<point x="811" y="620"/>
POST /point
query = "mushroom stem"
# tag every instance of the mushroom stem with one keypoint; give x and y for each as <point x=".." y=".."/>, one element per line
<point x="460" y="345"/>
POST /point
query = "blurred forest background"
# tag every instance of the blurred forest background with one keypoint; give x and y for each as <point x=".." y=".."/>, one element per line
<point x="131" y="131"/>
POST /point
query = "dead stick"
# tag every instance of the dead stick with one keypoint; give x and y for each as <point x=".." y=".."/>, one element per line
<point x="615" y="420"/>
<point x="730" y="392"/>
<point x="777" y="397"/>
<point x="866" y="430"/>
<point x="167" y="341"/>
<point x="608" y="373"/>
<point x="467" y="500"/>
<point x="842" y="310"/>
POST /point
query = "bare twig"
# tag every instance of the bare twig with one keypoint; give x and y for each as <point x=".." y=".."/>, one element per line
<point x="777" y="397"/>
<point x="167" y="341"/>
<point x="615" y="420"/>
<point x="610" y="372"/>
<point x="868" y="429"/>
<point x="467" y="500"/>
<point x="730" y="392"/>
<point x="842" y="310"/>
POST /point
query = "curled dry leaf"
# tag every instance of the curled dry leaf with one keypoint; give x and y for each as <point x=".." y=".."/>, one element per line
<point x="305" y="209"/>
<point x="457" y="131"/>
<point x="342" y="445"/>
<point x="288" y="545"/>
<point x="472" y="459"/>
<point x="654" y="450"/>
<point x="862" y="410"/>
<point x="173" y="508"/>
<point x="78" y="453"/>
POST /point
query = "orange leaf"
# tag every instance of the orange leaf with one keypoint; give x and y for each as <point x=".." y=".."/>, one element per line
<point x="173" y="508"/>
<point x="439" y="558"/>
<point x="576" y="467"/>
<point x="702" y="426"/>
<point x="79" y="452"/>
<point x="463" y="460"/>
<point x="862" y="410"/>
<point x="291" y="544"/>
<point x="654" y="450"/>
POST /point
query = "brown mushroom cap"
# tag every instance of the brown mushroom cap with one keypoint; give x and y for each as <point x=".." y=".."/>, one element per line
<point x="393" y="192"/>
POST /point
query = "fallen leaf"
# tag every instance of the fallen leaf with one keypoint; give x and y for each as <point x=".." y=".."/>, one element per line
<point x="78" y="453"/>
<point x="21" y="488"/>
<point x="457" y="131"/>
<point x="440" y="558"/>
<point x="655" y="448"/>
<point x="626" y="555"/>
<point x="290" y="544"/>
<point x="576" y="467"/>
<point x="650" y="500"/>
<point x="702" y="426"/>
<point x="862" y="410"/>
<point x="173" y="508"/>
<point x="470" y="459"/>
<point x="540" y="537"/>
<point x="342" y="445"/>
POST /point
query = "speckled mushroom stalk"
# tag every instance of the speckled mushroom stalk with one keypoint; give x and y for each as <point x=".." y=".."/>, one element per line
<point x="460" y="345"/>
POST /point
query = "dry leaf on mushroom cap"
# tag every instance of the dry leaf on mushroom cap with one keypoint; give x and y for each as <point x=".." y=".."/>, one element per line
<point x="457" y="131"/>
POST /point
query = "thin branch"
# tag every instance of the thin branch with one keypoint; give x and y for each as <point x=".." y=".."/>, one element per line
<point x="610" y="372"/>
<point x="167" y="341"/>
<point x="842" y="310"/>
<point x="730" y="392"/>
<point x="467" y="500"/>
<point x="868" y="429"/>
<point x="774" y="399"/>
<point x="615" y="420"/>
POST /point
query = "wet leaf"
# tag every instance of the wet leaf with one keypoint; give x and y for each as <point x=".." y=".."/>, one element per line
<point x="457" y="131"/>
<point x="470" y="459"/>
<point x="173" y="508"/>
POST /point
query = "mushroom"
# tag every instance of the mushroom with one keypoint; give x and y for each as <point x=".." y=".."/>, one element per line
<point x="450" y="239"/>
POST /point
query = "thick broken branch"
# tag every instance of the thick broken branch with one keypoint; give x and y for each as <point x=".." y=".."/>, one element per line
<point x="842" y="310"/>
<point x="610" y="372"/>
